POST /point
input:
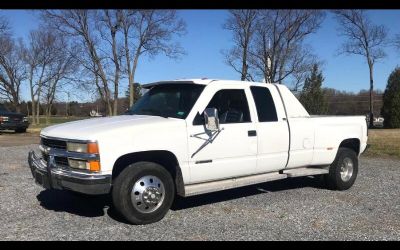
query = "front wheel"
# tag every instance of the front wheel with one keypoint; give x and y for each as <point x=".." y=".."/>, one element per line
<point x="143" y="192"/>
<point x="343" y="171"/>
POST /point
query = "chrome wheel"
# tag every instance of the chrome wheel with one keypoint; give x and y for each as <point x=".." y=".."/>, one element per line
<point x="346" y="169"/>
<point x="147" y="194"/>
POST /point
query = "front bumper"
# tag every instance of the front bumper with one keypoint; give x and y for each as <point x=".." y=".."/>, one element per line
<point x="50" y="176"/>
<point x="13" y="126"/>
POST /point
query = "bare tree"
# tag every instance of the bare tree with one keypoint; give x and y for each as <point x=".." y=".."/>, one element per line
<point x="397" y="41"/>
<point x="242" y="24"/>
<point x="278" y="50"/>
<point x="300" y="74"/>
<point x="365" y="39"/>
<point x="39" y="56"/>
<point x="4" y="26"/>
<point x="81" y="26"/>
<point x="109" y="26"/>
<point x="149" y="32"/>
<point x="62" y="67"/>
<point x="12" y="71"/>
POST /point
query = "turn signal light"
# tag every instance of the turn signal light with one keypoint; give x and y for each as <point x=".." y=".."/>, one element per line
<point x="4" y="119"/>
<point x="94" y="166"/>
<point x="92" y="148"/>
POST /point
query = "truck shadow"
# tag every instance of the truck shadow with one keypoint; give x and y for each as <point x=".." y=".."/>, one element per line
<point x="232" y="194"/>
<point x="65" y="201"/>
<point x="97" y="206"/>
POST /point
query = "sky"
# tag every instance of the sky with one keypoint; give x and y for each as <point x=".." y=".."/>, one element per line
<point x="205" y="39"/>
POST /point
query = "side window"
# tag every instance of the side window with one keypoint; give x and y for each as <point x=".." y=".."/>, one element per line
<point x="265" y="104"/>
<point x="232" y="107"/>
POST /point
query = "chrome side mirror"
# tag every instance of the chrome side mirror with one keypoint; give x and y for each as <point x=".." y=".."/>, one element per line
<point x="211" y="119"/>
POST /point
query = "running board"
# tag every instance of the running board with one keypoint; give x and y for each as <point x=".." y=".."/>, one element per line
<point x="208" y="187"/>
<point x="305" y="172"/>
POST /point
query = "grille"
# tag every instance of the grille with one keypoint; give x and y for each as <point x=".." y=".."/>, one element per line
<point x="61" y="160"/>
<point x="58" y="159"/>
<point x="45" y="157"/>
<point x="54" y="143"/>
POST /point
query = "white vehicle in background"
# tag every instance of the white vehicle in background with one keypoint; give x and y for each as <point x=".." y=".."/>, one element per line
<point x="94" y="113"/>
<point x="189" y="137"/>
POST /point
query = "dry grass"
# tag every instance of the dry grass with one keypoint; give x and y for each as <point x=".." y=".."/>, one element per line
<point x="384" y="143"/>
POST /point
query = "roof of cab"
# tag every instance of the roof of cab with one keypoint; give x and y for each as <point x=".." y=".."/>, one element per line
<point x="202" y="81"/>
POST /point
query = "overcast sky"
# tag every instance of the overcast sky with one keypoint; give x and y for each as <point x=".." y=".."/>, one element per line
<point x="206" y="38"/>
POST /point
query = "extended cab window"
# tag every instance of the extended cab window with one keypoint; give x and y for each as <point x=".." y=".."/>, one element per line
<point x="232" y="107"/>
<point x="168" y="100"/>
<point x="265" y="105"/>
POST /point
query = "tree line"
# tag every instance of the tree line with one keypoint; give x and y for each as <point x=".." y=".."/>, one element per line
<point x="328" y="101"/>
<point x="96" y="50"/>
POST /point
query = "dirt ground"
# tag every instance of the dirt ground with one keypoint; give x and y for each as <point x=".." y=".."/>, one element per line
<point x="10" y="138"/>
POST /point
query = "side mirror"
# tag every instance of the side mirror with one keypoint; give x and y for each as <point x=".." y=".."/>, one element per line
<point x="211" y="119"/>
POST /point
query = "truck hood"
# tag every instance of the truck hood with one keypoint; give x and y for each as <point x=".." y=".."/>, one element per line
<point x="93" y="128"/>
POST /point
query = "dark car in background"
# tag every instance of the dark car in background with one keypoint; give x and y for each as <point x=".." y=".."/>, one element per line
<point x="12" y="121"/>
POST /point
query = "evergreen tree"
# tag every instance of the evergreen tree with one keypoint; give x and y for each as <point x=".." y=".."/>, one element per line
<point x="312" y="96"/>
<point x="391" y="101"/>
<point x="137" y="91"/>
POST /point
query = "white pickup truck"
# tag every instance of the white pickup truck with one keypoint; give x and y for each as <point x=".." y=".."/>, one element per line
<point x="189" y="137"/>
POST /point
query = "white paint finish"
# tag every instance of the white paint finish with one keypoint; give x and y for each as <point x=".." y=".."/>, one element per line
<point x="232" y="151"/>
<point x="314" y="140"/>
<point x="273" y="137"/>
<point x="331" y="131"/>
<point x="273" y="144"/>
<point x="280" y="109"/>
<point x="301" y="142"/>
<point x="292" y="104"/>
<point x="125" y="134"/>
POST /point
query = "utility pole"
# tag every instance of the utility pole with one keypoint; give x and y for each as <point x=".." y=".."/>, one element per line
<point x="268" y="80"/>
<point x="66" y="105"/>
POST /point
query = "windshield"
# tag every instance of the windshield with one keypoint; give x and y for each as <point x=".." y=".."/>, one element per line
<point x="168" y="100"/>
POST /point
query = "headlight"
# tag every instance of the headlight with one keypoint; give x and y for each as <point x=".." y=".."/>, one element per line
<point x="93" y="166"/>
<point x="78" y="164"/>
<point x="77" y="147"/>
<point x="91" y="147"/>
<point x="25" y="119"/>
<point x="4" y="119"/>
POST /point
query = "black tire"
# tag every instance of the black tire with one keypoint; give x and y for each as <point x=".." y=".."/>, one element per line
<point x="124" y="183"/>
<point x="334" y="179"/>
<point x="20" y="130"/>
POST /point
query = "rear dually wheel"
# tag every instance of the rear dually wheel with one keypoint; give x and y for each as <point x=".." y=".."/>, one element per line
<point x="343" y="171"/>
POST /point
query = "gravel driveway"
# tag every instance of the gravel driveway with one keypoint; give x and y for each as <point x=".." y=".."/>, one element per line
<point x="291" y="209"/>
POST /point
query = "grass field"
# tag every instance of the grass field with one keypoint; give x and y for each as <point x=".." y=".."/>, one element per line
<point x="384" y="143"/>
<point x="53" y="120"/>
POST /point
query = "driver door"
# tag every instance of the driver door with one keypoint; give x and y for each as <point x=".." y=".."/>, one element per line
<point x="232" y="151"/>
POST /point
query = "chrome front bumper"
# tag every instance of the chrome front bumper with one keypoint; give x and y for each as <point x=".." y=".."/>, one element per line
<point x="51" y="176"/>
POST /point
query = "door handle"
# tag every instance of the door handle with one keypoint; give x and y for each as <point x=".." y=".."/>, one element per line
<point x="252" y="133"/>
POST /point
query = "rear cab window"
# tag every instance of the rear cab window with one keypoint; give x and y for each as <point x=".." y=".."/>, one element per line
<point x="265" y="106"/>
